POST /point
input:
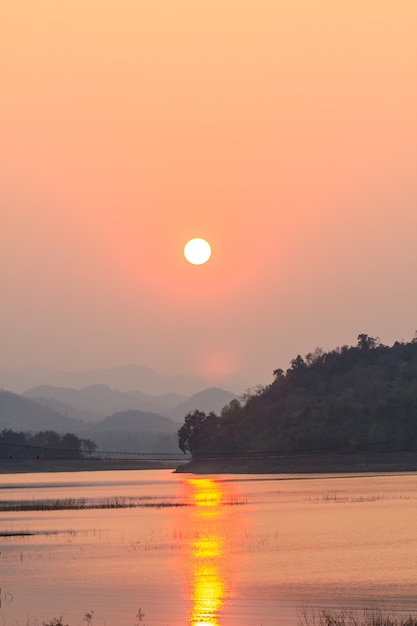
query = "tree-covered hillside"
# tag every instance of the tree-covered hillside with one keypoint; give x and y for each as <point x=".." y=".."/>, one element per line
<point x="352" y="398"/>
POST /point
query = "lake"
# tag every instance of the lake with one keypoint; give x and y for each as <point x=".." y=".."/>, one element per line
<point x="219" y="550"/>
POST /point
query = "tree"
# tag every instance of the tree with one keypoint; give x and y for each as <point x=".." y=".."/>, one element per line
<point x="190" y="431"/>
<point x="88" y="447"/>
<point x="317" y="356"/>
<point x="10" y="436"/>
<point x="71" y="442"/>
<point x="298" y="363"/>
<point x="233" y="408"/>
<point x="45" y="439"/>
<point x="367" y="343"/>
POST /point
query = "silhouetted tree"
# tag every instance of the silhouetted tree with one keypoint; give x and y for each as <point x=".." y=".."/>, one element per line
<point x="366" y="343"/>
<point x="44" y="444"/>
<point x="88" y="447"/>
<point x="190" y="431"/>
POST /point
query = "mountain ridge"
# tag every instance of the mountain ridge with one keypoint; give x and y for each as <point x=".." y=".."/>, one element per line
<point x="95" y="402"/>
<point x="99" y="400"/>
<point x="132" y="377"/>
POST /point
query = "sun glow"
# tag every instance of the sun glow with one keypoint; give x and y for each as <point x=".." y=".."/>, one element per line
<point x="210" y="563"/>
<point x="197" y="251"/>
<point x="207" y="550"/>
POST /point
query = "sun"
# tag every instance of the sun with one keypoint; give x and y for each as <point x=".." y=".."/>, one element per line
<point x="197" y="251"/>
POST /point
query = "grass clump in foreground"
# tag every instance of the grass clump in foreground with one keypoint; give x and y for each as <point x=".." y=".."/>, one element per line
<point x="87" y="620"/>
<point x="307" y="616"/>
<point x="354" y="617"/>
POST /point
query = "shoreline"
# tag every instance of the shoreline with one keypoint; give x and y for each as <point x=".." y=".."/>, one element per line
<point x="318" y="463"/>
<point x="38" y="466"/>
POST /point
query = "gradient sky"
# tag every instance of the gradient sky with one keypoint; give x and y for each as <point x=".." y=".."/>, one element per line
<point x="283" y="132"/>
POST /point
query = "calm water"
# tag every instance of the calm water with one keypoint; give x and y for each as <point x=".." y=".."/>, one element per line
<point x="205" y="551"/>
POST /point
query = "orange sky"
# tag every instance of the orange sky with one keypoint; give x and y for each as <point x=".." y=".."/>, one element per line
<point x="284" y="132"/>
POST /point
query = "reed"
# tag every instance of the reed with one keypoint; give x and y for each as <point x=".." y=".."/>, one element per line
<point x="74" y="504"/>
<point x="354" y="617"/>
<point x="56" y="621"/>
<point x="307" y="616"/>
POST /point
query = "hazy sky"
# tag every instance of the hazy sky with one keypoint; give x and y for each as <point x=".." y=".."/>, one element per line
<point x="282" y="131"/>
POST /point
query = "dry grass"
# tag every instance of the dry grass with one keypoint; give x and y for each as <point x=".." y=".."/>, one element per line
<point x="354" y="617"/>
<point x="73" y="504"/>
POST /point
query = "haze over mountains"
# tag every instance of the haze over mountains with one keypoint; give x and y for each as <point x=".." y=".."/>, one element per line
<point x="23" y="414"/>
<point x="123" y="378"/>
<point x="129" y="420"/>
<point x="94" y="402"/>
<point x="127" y="431"/>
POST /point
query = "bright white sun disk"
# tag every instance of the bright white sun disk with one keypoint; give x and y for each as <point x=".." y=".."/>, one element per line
<point x="197" y="251"/>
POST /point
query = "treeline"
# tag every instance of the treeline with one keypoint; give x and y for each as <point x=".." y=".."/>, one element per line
<point x="349" y="399"/>
<point x="46" y="444"/>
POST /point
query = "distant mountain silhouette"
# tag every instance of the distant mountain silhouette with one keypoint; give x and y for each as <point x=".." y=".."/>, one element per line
<point x="23" y="414"/>
<point x="126" y="431"/>
<point x="136" y="421"/>
<point x="107" y="416"/>
<point x="94" y="402"/>
<point x="123" y="378"/>
<point x="212" y="399"/>
<point x="67" y="409"/>
<point x="132" y="441"/>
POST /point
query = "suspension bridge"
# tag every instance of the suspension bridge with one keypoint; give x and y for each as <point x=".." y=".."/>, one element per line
<point x="22" y="451"/>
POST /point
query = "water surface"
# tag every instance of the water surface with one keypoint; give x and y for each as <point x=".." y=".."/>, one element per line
<point x="204" y="550"/>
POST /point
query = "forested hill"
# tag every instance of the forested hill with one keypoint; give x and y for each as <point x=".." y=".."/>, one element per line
<point x="352" y="398"/>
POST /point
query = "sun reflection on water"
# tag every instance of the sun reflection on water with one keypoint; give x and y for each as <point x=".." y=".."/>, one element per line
<point x="207" y="495"/>
<point x="209" y="562"/>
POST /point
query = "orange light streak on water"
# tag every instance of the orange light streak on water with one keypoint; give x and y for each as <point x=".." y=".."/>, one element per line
<point x="209" y="568"/>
